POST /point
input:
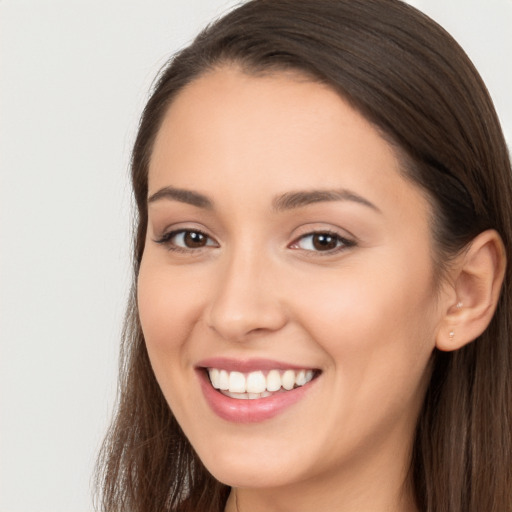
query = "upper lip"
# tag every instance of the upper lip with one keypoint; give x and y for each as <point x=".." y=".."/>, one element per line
<point x="249" y="365"/>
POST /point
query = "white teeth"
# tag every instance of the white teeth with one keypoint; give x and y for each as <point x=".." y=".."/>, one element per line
<point x="288" y="379"/>
<point x="214" y="377"/>
<point x="273" y="380"/>
<point x="223" y="380"/>
<point x="237" y="382"/>
<point x="239" y="396"/>
<point x="300" y="378"/>
<point x="247" y="396"/>
<point x="309" y="376"/>
<point x="254" y="384"/>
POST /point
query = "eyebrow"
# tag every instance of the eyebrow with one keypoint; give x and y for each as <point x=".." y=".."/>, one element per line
<point x="287" y="201"/>
<point x="299" y="199"/>
<point x="183" y="196"/>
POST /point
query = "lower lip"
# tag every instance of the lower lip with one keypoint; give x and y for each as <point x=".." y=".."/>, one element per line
<point x="249" y="411"/>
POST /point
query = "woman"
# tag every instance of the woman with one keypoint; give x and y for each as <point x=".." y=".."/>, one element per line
<point x="321" y="301"/>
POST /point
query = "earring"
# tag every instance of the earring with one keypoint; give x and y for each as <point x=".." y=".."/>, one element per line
<point x="451" y="335"/>
<point x="459" y="305"/>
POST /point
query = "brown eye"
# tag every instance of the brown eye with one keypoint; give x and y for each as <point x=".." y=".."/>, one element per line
<point x="324" y="241"/>
<point x="183" y="240"/>
<point x="194" y="239"/>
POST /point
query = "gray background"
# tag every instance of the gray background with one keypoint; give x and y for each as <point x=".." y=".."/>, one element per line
<point x="74" y="76"/>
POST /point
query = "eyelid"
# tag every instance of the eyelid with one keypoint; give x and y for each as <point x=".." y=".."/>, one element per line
<point x="346" y="241"/>
<point x="167" y="236"/>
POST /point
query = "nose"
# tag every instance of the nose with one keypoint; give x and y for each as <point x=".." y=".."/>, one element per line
<point x="246" y="300"/>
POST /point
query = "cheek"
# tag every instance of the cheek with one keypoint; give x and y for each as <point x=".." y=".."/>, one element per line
<point x="377" y="330"/>
<point x="373" y="320"/>
<point x="168" y="310"/>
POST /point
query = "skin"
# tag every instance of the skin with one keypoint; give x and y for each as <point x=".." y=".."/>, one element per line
<point x="365" y="314"/>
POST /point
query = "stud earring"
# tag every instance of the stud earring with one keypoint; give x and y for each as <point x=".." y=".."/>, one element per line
<point x="451" y="335"/>
<point x="459" y="305"/>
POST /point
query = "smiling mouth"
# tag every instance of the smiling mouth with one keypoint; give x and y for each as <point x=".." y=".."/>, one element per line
<point x="258" y="384"/>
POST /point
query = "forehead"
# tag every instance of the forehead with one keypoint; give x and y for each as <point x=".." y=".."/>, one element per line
<point x="279" y="131"/>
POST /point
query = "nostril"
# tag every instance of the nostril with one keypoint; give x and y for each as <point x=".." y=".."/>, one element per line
<point x="246" y="326"/>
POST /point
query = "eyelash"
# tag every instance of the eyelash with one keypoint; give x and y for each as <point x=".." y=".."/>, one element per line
<point x="166" y="240"/>
<point x="342" y="243"/>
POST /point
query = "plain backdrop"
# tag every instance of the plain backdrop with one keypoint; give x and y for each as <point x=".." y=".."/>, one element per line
<point x="74" y="77"/>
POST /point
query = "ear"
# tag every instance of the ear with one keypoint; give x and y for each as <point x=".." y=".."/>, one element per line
<point x="476" y="280"/>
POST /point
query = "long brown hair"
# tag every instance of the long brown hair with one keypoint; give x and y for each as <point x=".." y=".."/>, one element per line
<point x="408" y="77"/>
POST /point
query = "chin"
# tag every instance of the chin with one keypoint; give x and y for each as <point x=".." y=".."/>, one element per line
<point x="249" y="476"/>
<point x="251" y="469"/>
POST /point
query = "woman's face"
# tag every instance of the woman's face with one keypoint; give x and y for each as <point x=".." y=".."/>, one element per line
<point x="285" y="252"/>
